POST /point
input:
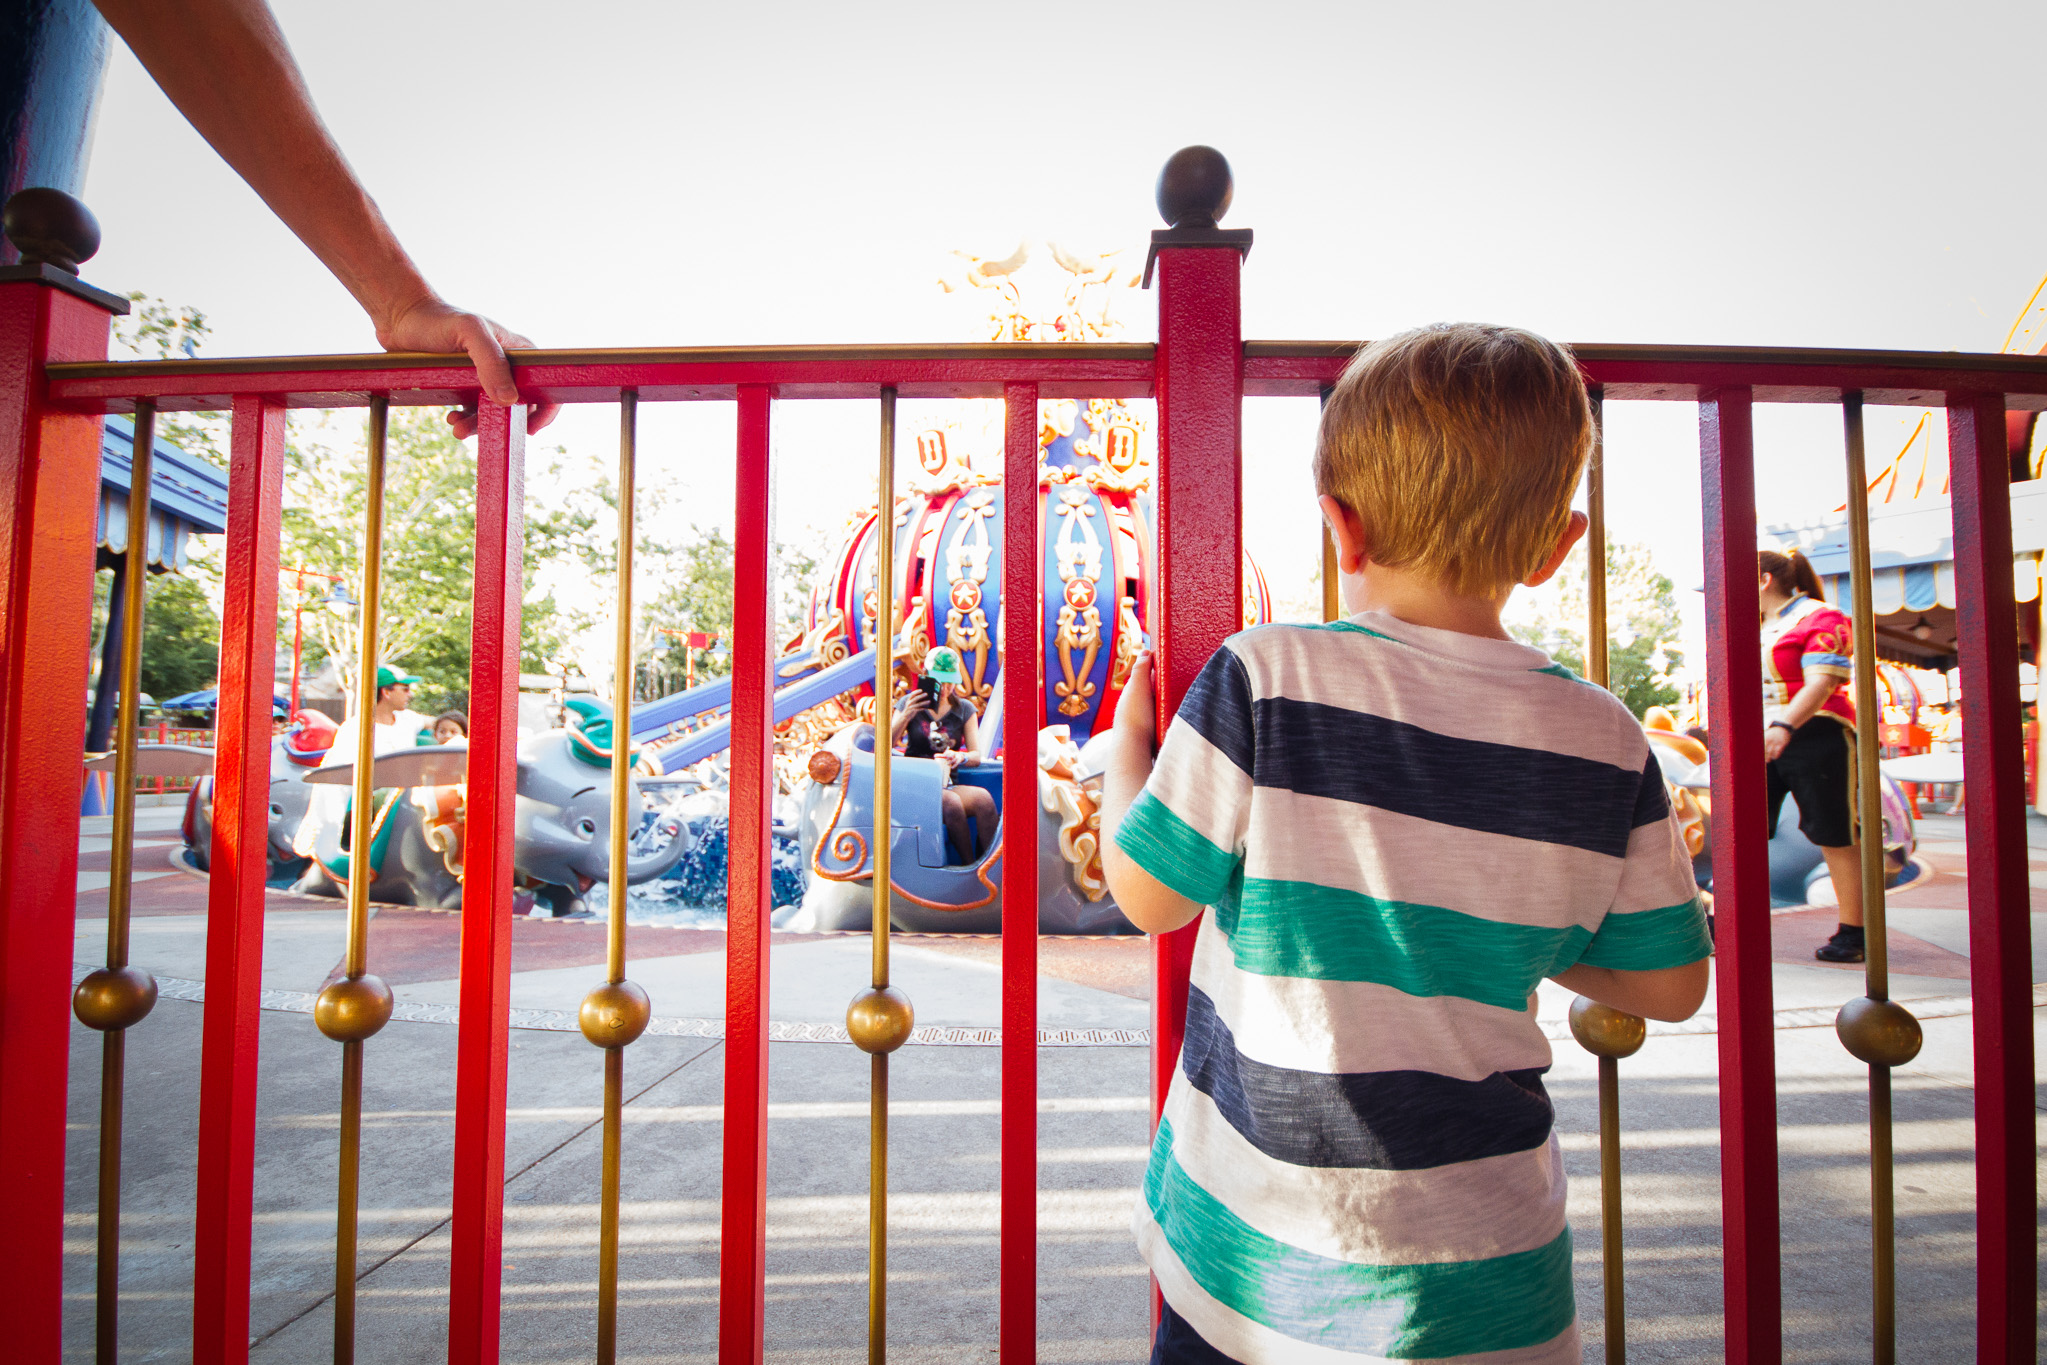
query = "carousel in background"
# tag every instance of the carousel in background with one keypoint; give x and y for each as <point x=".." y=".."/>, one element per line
<point x="1097" y="584"/>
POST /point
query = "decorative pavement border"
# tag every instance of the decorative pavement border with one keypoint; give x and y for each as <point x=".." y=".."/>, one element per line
<point x="782" y="1031"/>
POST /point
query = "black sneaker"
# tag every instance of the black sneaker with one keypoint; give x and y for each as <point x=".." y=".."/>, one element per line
<point x="1840" y="949"/>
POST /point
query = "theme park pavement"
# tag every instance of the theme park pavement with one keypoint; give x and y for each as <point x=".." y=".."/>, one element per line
<point x="1092" y="1294"/>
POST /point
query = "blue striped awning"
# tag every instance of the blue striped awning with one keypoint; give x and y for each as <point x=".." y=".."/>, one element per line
<point x="187" y="496"/>
<point x="1922" y="587"/>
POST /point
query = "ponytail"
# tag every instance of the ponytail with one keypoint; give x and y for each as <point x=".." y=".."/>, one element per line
<point x="1790" y="569"/>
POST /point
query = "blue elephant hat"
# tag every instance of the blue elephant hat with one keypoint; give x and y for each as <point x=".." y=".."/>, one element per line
<point x="590" y="731"/>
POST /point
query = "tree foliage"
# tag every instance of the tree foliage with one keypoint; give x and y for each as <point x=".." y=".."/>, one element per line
<point x="1642" y="624"/>
<point x="180" y="636"/>
<point x="428" y="549"/>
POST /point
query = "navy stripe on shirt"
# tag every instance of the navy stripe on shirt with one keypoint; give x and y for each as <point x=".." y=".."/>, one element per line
<point x="1475" y="784"/>
<point x="1364" y="1120"/>
<point x="1218" y="706"/>
<point x="1652" y="802"/>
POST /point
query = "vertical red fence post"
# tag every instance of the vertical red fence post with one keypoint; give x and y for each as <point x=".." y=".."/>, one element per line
<point x="1741" y="882"/>
<point x="2000" y="960"/>
<point x="1200" y="387"/>
<point x="1022" y="699"/>
<point x="240" y="860"/>
<point x="476" y="1250"/>
<point x="743" y="1229"/>
<point x="49" y="517"/>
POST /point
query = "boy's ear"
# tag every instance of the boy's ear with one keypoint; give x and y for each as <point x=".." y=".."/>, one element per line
<point x="1570" y="537"/>
<point x="1348" y="530"/>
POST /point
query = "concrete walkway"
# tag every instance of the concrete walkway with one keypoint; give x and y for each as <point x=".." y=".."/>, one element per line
<point x="943" y="1210"/>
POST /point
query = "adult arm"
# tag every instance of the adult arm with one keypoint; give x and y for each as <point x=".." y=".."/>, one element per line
<point x="1804" y="706"/>
<point x="226" y="66"/>
<point x="911" y="709"/>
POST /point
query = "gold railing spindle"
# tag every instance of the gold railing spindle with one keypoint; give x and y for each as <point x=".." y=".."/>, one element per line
<point x="351" y="1010"/>
<point x="880" y="1018"/>
<point x="118" y="996"/>
<point x="1606" y="1033"/>
<point x="1595" y="548"/>
<point x="1873" y="1027"/>
<point x="617" y="1012"/>
<point x="1332" y="574"/>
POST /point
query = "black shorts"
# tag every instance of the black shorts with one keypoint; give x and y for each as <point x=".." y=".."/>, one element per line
<point x="1818" y="768"/>
<point x="1175" y="1343"/>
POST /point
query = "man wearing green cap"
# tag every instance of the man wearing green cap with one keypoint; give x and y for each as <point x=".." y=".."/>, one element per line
<point x="398" y="725"/>
<point x="938" y="721"/>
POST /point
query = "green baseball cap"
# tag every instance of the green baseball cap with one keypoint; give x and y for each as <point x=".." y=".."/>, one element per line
<point x="390" y="677"/>
<point x="943" y="665"/>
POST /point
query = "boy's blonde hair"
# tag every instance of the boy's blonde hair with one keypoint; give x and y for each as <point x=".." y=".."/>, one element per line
<point x="1459" y="447"/>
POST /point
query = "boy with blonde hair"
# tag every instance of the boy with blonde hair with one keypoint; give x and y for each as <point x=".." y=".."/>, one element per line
<point x="1404" y="821"/>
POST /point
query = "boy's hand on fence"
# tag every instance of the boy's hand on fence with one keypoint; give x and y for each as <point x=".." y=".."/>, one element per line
<point x="1136" y="718"/>
<point x="438" y="327"/>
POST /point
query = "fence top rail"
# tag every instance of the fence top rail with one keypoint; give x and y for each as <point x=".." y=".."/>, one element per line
<point x="973" y="370"/>
<point x="1777" y="374"/>
<point x="979" y="370"/>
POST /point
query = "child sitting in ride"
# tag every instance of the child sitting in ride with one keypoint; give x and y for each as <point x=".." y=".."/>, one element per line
<point x="1404" y="821"/>
<point x="937" y="721"/>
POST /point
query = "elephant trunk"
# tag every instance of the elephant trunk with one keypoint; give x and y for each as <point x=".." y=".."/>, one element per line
<point x="645" y="869"/>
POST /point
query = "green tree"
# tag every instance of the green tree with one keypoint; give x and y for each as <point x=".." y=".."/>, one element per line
<point x="688" y="587"/>
<point x="180" y="636"/>
<point x="1642" y="624"/>
<point x="429" y="549"/>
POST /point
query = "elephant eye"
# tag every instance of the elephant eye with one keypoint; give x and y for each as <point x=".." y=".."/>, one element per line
<point x="587" y="825"/>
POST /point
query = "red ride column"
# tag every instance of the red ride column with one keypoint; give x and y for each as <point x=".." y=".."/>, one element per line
<point x="476" y="1251"/>
<point x="743" y="1228"/>
<point x="2000" y="960"/>
<point x="49" y="513"/>
<point x="240" y="859"/>
<point x="1741" y="882"/>
<point x="1022" y="703"/>
<point x="1200" y="388"/>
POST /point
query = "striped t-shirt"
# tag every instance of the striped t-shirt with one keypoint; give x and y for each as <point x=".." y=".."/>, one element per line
<point x="1402" y="831"/>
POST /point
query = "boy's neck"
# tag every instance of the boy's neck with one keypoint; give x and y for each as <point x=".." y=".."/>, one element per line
<point x="1421" y="601"/>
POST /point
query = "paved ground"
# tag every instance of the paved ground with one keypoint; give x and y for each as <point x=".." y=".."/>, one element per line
<point x="943" y="1211"/>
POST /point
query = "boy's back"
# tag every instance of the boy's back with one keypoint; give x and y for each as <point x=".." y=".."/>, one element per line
<point x="1403" y="830"/>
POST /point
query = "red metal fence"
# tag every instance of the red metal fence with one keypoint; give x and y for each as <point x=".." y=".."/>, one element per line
<point x="55" y="385"/>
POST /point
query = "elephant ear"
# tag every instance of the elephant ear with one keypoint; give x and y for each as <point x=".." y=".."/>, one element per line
<point x="534" y="784"/>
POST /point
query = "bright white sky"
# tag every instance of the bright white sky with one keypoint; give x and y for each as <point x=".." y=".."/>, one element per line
<point x="637" y="174"/>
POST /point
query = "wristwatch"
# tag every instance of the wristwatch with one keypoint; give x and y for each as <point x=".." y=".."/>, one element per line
<point x="1786" y="726"/>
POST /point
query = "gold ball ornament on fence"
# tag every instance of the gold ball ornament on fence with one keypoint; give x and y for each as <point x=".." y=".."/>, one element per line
<point x="880" y="1019"/>
<point x="1879" y="1032"/>
<point x="1606" y="1032"/>
<point x="350" y="1010"/>
<point x="615" y="1014"/>
<point x="114" y="998"/>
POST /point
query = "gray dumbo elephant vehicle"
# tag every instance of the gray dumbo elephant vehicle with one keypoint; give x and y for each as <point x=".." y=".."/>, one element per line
<point x="561" y="839"/>
<point x="294" y="756"/>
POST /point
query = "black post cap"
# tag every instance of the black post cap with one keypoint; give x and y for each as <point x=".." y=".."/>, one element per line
<point x="1194" y="191"/>
<point x="1195" y="188"/>
<point x="50" y="227"/>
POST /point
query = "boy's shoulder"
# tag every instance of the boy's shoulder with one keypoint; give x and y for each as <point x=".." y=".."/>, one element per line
<point x="1500" y="690"/>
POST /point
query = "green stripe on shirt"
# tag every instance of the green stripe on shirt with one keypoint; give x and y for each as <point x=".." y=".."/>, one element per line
<point x="1321" y="933"/>
<point x="1406" y="1312"/>
<point x="1172" y="851"/>
<point x="1649" y="940"/>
